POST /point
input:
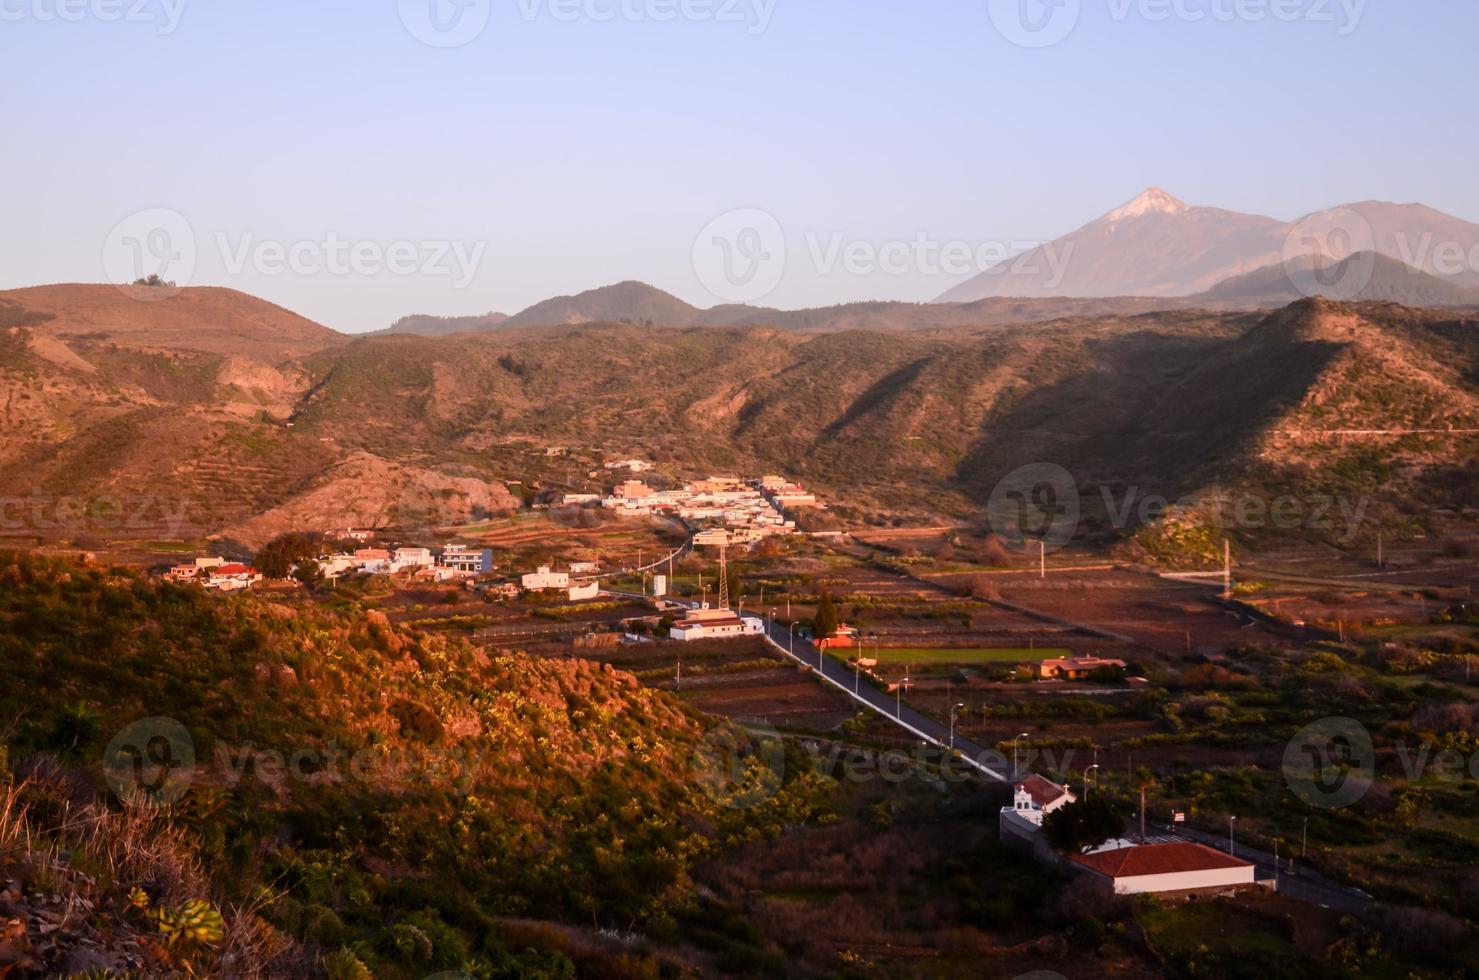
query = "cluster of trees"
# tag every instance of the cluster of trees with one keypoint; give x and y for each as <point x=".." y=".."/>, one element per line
<point x="291" y="554"/>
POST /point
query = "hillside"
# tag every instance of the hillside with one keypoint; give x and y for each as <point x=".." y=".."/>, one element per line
<point x="393" y="429"/>
<point x="1365" y="277"/>
<point x="337" y="790"/>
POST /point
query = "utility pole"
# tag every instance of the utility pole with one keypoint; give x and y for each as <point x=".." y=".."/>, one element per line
<point x="1142" y="812"/>
<point x="1227" y="589"/>
<point x="680" y="672"/>
<point x="1042" y="559"/>
<point x="723" y="578"/>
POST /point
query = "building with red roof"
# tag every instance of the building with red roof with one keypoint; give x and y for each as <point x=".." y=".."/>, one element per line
<point x="1184" y="867"/>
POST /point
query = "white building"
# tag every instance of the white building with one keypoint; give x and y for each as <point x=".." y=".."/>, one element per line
<point x="582" y="593"/>
<point x="1033" y="799"/>
<point x="711" y="624"/>
<point x="413" y="558"/>
<point x="544" y="578"/>
<point x="465" y="558"/>
<point x="231" y="578"/>
<point x="1184" y="867"/>
<point x="584" y="568"/>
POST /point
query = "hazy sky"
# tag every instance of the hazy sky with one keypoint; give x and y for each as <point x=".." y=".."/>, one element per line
<point x="572" y="143"/>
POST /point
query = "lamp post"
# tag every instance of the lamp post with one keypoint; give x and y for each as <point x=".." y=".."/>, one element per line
<point x="1086" y="780"/>
<point x="1014" y="752"/>
<point x="1232" y="846"/>
<point x="953" y="710"/>
<point x="791" y="642"/>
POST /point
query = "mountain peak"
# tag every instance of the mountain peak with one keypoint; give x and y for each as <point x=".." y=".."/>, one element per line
<point x="1152" y="201"/>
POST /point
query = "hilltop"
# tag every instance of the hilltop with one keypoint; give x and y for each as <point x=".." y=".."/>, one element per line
<point x="206" y="319"/>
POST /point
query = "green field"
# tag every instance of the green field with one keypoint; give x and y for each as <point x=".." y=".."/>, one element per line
<point x="966" y="655"/>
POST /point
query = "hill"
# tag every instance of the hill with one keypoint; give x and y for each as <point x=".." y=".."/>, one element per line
<point x="441" y="326"/>
<point x="335" y="793"/>
<point x="200" y="318"/>
<point x="895" y="423"/>
<point x="633" y="302"/>
<point x="1365" y="277"/>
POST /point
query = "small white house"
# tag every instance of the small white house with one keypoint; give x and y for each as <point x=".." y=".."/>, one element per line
<point x="584" y="568"/>
<point x="545" y="578"/>
<point x="1183" y="867"/>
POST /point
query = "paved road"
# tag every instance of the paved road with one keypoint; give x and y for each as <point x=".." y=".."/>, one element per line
<point x="987" y="762"/>
<point x="1305" y="885"/>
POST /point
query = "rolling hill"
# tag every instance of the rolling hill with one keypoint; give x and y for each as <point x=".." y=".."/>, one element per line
<point x="920" y="422"/>
<point x="1368" y="276"/>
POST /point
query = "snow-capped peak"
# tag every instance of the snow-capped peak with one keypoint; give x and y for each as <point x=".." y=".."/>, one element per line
<point x="1153" y="201"/>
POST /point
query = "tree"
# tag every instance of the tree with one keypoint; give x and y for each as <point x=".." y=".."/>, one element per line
<point x="824" y="623"/>
<point x="1077" y="827"/>
<point x="277" y="557"/>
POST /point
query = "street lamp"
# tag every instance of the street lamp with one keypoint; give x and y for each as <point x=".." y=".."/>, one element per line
<point x="1086" y="780"/>
<point x="791" y="643"/>
<point x="1014" y="752"/>
<point x="958" y="707"/>
<point x="1232" y="847"/>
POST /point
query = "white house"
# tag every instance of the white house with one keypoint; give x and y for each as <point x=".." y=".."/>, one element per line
<point x="1033" y="799"/>
<point x="584" y="568"/>
<point x="545" y="578"/>
<point x="1183" y="867"/>
<point x="710" y="624"/>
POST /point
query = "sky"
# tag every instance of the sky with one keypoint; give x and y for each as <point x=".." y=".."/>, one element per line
<point x="360" y="160"/>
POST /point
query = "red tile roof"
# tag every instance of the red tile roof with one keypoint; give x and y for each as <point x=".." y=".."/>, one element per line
<point x="232" y="570"/>
<point x="1157" y="859"/>
<point x="1043" y="791"/>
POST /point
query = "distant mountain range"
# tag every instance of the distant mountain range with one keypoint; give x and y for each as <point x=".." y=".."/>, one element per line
<point x="1157" y="245"/>
<point x="1154" y="253"/>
